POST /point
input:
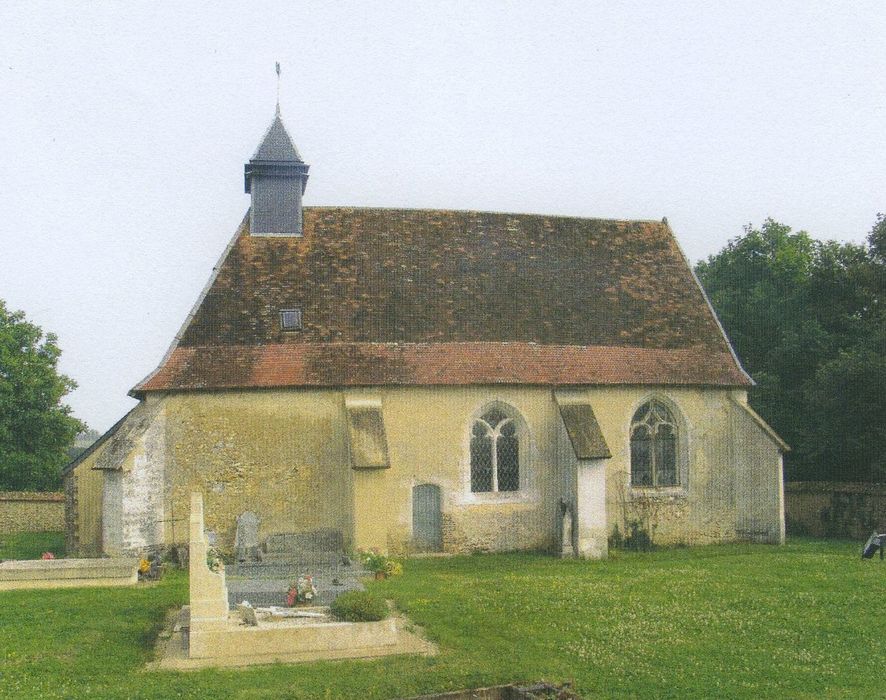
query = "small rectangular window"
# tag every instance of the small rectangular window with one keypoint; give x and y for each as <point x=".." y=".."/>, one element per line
<point x="290" y="320"/>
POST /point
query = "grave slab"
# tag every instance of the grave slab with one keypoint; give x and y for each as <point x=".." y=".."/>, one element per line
<point x="67" y="573"/>
<point x="209" y="634"/>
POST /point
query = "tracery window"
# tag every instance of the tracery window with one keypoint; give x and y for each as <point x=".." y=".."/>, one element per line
<point x="495" y="453"/>
<point x="654" y="446"/>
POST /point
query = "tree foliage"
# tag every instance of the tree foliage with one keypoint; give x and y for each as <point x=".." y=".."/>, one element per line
<point x="807" y="319"/>
<point x="36" y="429"/>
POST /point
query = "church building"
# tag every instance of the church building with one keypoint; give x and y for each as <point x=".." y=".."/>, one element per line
<point x="436" y="381"/>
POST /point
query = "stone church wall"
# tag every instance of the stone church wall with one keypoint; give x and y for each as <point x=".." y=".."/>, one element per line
<point x="759" y="483"/>
<point x="428" y="440"/>
<point x="143" y="489"/>
<point x="133" y="472"/>
<point x="279" y="454"/>
<point x="701" y="510"/>
<point x="83" y="510"/>
<point x="283" y="454"/>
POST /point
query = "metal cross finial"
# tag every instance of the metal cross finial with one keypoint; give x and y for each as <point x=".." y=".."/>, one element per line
<point x="278" y="88"/>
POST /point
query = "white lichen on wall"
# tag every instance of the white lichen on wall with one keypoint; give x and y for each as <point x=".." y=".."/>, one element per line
<point x="112" y="512"/>
<point x="143" y="489"/>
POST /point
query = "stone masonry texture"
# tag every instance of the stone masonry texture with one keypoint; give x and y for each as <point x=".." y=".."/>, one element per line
<point x="24" y="511"/>
<point x="283" y="454"/>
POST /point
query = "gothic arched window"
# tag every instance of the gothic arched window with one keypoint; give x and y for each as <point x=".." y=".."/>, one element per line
<point x="654" y="446"/>
<point x="495" y="453"/>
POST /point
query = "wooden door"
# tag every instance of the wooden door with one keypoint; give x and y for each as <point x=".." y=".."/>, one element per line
<point x="427" y="525"/>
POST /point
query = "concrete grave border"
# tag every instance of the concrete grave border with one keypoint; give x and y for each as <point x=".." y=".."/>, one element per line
<point x="67" y="573"/>
<point x="207" y="634"/>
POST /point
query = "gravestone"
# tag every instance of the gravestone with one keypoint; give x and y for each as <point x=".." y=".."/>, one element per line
<point x="286" y="556"/>
<point x="325" y="540"/>
<point x="246" y="540"/>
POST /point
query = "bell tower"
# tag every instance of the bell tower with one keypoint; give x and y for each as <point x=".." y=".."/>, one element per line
<point x="276" y="177"/>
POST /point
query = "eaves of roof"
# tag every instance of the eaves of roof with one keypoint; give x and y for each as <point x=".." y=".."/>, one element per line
<point x="109" y="433"/>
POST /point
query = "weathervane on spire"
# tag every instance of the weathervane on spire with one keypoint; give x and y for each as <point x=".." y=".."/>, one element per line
<point x="278" y="88"/>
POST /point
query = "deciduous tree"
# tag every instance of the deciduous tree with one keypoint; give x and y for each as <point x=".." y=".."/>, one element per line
<point x="807" y="319"/>
<point x="36" y="428"/>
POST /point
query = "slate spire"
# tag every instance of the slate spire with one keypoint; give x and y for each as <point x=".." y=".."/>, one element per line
<point x="277" y="144"/>
<point x="276" y="177"/>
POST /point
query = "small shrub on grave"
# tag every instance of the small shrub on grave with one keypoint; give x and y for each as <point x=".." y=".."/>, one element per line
<point x="150" y="568"/>
<point x="359" y="606"/>
<point x="380" y="564"/>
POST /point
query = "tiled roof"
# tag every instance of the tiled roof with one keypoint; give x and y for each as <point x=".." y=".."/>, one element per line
<point x="445" y="297"/>
<point x="109" y="434"/>
<point x="373" y="364"/>
<point x="367" y="442"/>
<point x="583" y="429"/>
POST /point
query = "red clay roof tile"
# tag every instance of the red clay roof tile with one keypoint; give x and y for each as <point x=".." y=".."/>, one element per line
<point x="373" y="364"/>
<point x="391" y="296"/>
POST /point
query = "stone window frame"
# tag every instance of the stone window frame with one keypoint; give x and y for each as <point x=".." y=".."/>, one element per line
<point x="681" y="489"/>
<point x="528" y="491"/>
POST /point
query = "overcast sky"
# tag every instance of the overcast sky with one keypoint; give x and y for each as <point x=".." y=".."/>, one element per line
<point x="125" y="127"/>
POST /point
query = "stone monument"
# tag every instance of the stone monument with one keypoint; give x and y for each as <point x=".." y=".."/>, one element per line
<point x="567" y="550"/>
<point x="246" y="547"/>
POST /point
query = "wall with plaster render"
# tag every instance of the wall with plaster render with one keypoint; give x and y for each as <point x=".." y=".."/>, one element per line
<point x="283" y="454"/>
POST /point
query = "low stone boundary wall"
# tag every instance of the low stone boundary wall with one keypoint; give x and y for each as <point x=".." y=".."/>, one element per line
<point x="838" y="509"/>
<point x="31" y="511"/>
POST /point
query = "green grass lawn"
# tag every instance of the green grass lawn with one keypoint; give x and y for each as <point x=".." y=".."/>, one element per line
<point x="30" y="545"/>
<point x="734" y="621"/>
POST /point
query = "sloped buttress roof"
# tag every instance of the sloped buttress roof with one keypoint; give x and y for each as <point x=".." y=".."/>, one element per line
<point x="391" y="296"/>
